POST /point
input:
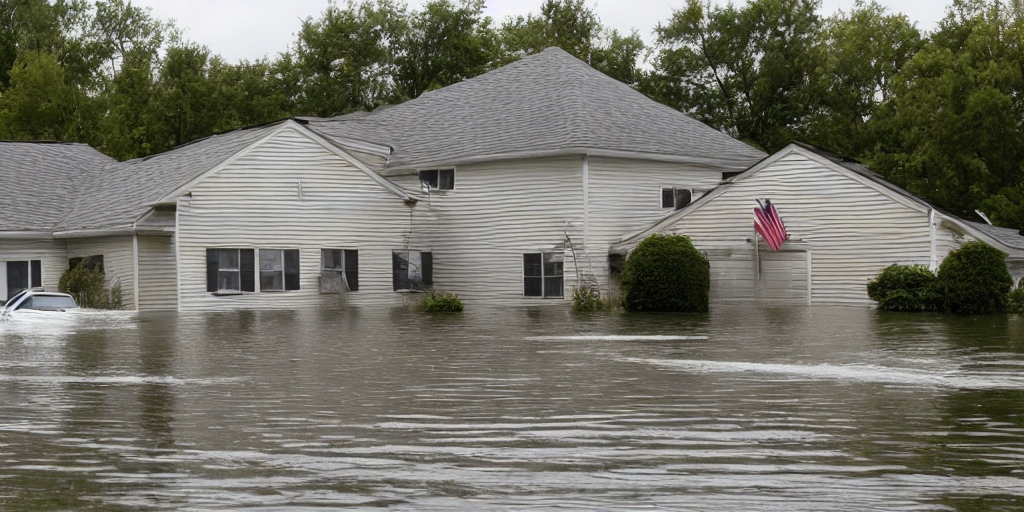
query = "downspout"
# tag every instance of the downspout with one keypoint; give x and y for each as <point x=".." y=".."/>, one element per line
<point x="586" y="199"/>
<point x="177" y="252"/>
<point x="932" y="256"/>
<point x="135" y="264"/>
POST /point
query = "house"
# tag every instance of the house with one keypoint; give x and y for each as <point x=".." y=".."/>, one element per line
<point x="509" y="186"/>
<point x="845" y="223"/>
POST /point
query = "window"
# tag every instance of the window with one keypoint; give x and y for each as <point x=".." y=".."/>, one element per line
<point x="412" y="270"/>
<point x="542" y="274"/>
<point x="22" y="275"/>
<point x="438" y="179"/>
<point x="340" y="266"/>
<point x="90" y="262"/>
<point x="675" y="197"/>
<point x="279" y="270"/>
<point x="230" y="270"/>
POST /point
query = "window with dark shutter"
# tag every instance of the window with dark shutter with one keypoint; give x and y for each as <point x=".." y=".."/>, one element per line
<point x="352" y="268"/>
<point x="675" y="197"/>
<point x="412" y="270"/>
<point x="230" y="270"/>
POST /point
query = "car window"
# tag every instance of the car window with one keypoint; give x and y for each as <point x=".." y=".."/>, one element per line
<point x="48" y="302"/>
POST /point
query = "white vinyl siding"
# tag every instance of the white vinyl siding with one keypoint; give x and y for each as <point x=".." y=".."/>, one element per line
<point x="290" y="192"/>
<point x="479" y="232"/>
<point x="851" y="228"/>
<point x="158" y="285"/>
<point x="625" y="197"/>
<point x="118" y="261"/>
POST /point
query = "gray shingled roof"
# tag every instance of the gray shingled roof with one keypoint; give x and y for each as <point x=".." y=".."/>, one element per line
<point x="548" y="102"/>
<point x="40" y="181"/>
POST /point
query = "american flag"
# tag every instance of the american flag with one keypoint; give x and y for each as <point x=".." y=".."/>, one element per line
<point x="768" y="224"/>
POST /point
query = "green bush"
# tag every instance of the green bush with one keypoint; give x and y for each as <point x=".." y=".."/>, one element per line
<point x="903" y="288"/>
<point x="973" y="280"/>
<point x="666" y="273"/>
<point x="1015" y="300"/>
<point x="89" y="288"/>
<point x="436" y="302"/>
<point x="586" y="299"/>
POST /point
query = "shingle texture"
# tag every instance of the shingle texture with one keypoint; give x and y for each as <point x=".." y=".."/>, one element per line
<point x="41" y="181"/>
<point x="547" y="102"/>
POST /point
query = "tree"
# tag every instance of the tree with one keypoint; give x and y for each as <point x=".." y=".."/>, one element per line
<point x="955" y="132"/>
<point x="344" y="59"/>
<point x="39" y="104"/>
<point x="751" y="71"/>
<point x="444" y="44"/>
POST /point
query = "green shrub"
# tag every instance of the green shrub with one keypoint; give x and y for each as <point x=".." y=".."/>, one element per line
<point x="666" y="273"/>
<point x="586" y="299"/>
<point x="973" y="280"/>
<point x="903" y="288"/>
<point x="89" y="288"/>
<point x="436" y="302"/>
<point x="1015" y="300"/>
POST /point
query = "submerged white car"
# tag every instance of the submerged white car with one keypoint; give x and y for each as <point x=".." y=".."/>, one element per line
<point x="39" y="301"/>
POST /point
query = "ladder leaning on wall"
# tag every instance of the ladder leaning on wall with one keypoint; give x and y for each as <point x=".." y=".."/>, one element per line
<point x="585" y="276"/>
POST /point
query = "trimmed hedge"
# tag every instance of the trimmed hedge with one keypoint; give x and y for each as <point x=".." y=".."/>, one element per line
<point x="903" y="288"/>
<point x="666" y="273"/>
<point x="973" y="280"/>
<point x="1015" y="301"/>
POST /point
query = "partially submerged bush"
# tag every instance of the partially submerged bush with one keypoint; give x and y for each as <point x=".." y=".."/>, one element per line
<point x="436" y="302"/>
<point x="903" y="288"/>
<point x="585" y="299"/>
<point x="973" y="279"/>
<point x="89" y="288"/>
<point x="666" y="273"/>
<point x="1015" y="300"/>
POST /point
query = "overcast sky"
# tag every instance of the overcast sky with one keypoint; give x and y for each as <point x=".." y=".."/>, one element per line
<point x="253" y="29"/>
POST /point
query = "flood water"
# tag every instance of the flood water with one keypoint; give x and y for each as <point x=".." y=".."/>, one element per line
<point x="745" y="408"/>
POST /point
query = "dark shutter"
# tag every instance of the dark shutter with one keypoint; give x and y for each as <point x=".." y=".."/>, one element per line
<point x="668" y="198"/>
<point x="352" y="269"/>
<point x="399" y="270"/>
<point x="37" y="274"/>
<point x="212" y="266"/>
<point x="291" y="269"/>
<point x="427" y="260"/>
<point x="683" y="197"/>
<point x="533" y="283"/>
<point x="247" y="269"/>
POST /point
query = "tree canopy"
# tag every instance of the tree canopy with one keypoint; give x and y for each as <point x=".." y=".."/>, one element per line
<point x="941" y="113"/>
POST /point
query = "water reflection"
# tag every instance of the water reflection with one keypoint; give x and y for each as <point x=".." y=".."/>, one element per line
<point x="496" y="409"/>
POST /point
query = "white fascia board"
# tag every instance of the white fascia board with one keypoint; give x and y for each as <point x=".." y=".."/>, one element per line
<point x="337" y="150"/>
<point x="85" y="233"/>
<point x="710" y="163"/>
<point x="26" y="235"/>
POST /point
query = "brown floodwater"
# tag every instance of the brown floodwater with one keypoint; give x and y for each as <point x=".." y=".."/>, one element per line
<point x="744" y="408"/>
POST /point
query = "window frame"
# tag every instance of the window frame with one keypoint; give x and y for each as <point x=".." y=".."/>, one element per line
<point x="675" y="197"/>
<point x="348" y="267"/>
<point x="544" y="276"/>
<point x="436" y="185"/>
<point x="273" y="271"/>
<point x="426" y="270"/>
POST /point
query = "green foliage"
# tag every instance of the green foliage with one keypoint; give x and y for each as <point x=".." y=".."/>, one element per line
<point x="88" y="287"/>
<point x="1015" y="300"/>
<point x="666" y="273"/>
<point x="441" y="302"/>
<point x="586" y="299"/>
<point x="973" y="280"/>
<point x="903" y="288"/>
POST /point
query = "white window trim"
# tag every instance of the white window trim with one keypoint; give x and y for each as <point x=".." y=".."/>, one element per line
<point x="543" y="294"/>
<point x="259" y="271"/>
<point x="438" y="170"/>
<point x="236" y="270"/>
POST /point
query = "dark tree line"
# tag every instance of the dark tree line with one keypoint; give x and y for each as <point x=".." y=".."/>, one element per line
<point x="941" y="114"/>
